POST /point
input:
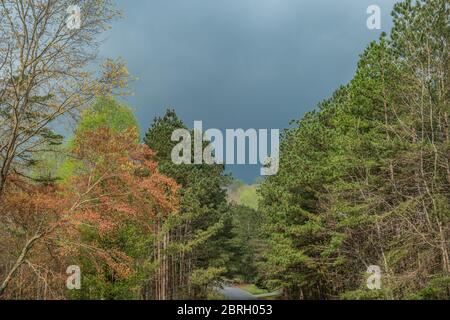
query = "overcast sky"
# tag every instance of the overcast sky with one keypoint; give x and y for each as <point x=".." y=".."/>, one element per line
<point x="239" y="63"/>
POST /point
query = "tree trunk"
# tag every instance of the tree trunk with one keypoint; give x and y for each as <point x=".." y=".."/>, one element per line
<point x="21" y="259"/>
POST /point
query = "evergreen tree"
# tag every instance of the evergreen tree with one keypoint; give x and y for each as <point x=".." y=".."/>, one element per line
<point x="364" y="179"/>
<point x="200" y="243"/>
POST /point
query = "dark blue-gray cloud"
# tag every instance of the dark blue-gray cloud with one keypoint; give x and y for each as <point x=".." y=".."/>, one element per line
<point x="239" y="63"/>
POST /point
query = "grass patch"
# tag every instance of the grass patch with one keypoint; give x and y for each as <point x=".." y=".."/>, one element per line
<point x="253" y="289"/>
<point x="215" y="296"/>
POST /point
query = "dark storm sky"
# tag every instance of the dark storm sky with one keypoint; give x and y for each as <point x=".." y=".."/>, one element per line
<point x="239" y="63"/>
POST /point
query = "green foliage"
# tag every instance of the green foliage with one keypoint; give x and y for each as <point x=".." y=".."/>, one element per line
<point x="437" y="289"/>
<point x="204" y="277"/>
<point x="107" y="112"/>
<point x="253" y="289"/>
<point x="249" y="197"/>
<point x="246" y="244"/>
<point x="201" y="232"/>
<point x="99" y="281"/>
<point x="363" y="178"/>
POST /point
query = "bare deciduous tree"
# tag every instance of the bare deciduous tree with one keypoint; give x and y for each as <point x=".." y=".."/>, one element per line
<point x="44" y="72"/>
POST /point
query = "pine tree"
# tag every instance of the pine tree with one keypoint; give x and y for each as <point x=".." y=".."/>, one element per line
<point x="198" y="251"/>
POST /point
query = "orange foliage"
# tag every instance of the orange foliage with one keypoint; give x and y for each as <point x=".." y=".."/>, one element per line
<point x="28" y="211"/>
<point x="118" y="184"/>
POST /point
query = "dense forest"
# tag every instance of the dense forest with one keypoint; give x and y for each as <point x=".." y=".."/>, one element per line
<point x="364" y="178"/>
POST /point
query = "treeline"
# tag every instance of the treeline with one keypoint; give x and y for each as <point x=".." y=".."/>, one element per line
<point x="196" y="240"/>
<point x="135" y="225"/>
<point x="365" y="179"/>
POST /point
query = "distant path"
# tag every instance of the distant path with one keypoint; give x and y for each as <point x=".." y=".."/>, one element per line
<point x="234" y="293"/>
